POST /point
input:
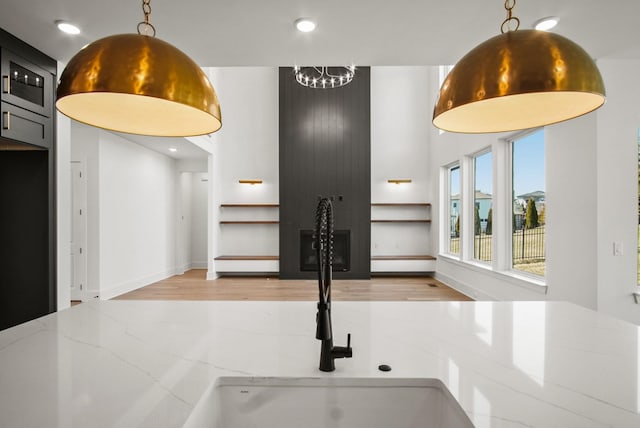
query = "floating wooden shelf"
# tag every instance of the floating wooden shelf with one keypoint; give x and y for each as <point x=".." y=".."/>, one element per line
<point x="402" y="258"/>
<point x="247" y="258"/>
<point x="401" y="204"/>
<point x="401" y="221"/>
<point x="249" y="222"/>
<point x="249" y="205"/>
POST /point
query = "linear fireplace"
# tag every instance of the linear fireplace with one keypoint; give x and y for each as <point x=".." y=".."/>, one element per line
<point x="341" y="251"/>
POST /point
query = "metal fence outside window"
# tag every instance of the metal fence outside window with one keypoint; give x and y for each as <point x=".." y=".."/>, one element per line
<point x="482" y="247"/>
<point x="528" y="246"/>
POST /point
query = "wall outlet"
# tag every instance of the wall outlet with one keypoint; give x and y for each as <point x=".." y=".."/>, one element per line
<point x="617" y="248"/>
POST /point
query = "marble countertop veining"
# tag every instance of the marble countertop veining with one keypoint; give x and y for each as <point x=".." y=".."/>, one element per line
<point x="146" y="363"/>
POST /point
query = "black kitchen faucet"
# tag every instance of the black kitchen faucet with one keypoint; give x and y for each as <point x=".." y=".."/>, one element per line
<point x="324" y="251"/>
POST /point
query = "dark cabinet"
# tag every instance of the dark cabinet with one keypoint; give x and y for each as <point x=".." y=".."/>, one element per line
<point x="27" y="183"/>
<point x="25" y="84"/>
<point x="27" y="100"/>
<point x="22" y="125"/>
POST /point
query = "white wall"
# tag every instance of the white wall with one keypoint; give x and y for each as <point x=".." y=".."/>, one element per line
<point x="199" y="227"/>
<point x="192" y="230"/>
<point x="400" y="129"/>
<point x="617" y="171"/>
<point x="571" y="211"/>
<point x="245" y="148"/>
<point x="213" y="209"/>
<point x="248" y="140"/>
<point x="399" y="149"/>
<point x="183" y="239"/>
<point x="63" y="210"/>
<point x="132" y="208"/>
<point x="137" y="215"/>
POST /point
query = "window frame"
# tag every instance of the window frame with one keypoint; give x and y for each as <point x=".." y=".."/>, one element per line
<point x="471" y="199"/>
<point x="445" y="239"/>
<point x="508" y="262"/>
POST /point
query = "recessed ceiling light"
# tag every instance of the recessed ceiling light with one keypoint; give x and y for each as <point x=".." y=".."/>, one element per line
<point x="305" y="25"/>
<point x="546" y="24"/>
<point x="173" y="149"/>
<point x="67" y="27"/>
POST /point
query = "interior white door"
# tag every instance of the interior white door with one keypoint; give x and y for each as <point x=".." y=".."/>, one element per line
<point x="78" y="230"/>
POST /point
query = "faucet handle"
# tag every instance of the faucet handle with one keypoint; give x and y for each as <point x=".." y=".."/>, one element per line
<point x="343" y="351"/>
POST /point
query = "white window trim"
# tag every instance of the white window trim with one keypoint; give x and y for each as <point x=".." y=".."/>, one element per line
<point x="470" y="198"/>
<point x="445" y="202"/>
<point x="508" y="266"/>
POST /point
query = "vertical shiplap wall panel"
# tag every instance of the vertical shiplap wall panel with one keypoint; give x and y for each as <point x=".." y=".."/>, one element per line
<point x="325" y="149"/>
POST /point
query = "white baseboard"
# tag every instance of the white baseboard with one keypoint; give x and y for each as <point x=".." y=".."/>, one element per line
<point x="211" y="275"/>
<point x="403" y="266"/>
<point x="463" y="288"/>
<point x="128" y="286"/>
<point x="182" y="269"/>
<point x="198" y="265"/>
<point x="188" y="266"/>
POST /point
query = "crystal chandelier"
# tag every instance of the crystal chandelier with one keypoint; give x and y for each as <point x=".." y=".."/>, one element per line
<point x="324" y="77"/>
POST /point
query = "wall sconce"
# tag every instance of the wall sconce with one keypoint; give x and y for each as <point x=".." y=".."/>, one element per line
<point x="252" y="182"/>
<point x="399" y="180"/>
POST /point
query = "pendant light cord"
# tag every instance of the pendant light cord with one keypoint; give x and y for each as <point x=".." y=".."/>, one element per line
<point x="148" y="29"/>
<point x="509" y="5"/>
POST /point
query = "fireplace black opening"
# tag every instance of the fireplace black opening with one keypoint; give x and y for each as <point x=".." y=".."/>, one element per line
<point x="341" y="251"/>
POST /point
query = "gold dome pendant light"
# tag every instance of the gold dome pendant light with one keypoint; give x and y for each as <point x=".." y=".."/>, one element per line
<point x="138" y="84"/>
<point x="518" y="80"/>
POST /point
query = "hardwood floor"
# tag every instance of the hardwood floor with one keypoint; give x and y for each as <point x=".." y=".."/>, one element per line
<point x="193" y="286"/>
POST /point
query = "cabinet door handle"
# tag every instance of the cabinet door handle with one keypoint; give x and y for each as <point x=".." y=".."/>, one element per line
<point x="6" y="84"/>
<point x="6" y="120"/>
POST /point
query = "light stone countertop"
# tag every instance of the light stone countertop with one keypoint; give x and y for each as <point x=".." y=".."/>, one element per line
<point x="146" y="363"/>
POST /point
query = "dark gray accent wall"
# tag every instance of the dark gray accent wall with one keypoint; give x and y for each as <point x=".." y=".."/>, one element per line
<point x="325" y="149"/>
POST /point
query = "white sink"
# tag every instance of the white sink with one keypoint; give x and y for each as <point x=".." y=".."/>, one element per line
<point x="247" y="402"/>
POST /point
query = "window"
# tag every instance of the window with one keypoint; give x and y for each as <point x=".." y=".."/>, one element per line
<point x="529" y="208"/>
<point x="454" y="210"/>
<point x="443" y="72"/>
<point x="483" y="206"/>
<point x="493" y="208"/>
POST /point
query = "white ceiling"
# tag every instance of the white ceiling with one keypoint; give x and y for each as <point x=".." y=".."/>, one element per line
<point x="363" y="32"/>
<point x="360" y="32"/>
<point x="185" y="149"/>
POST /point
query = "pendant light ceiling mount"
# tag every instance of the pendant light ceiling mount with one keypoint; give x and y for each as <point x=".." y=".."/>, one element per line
<point x="518" y="80"/>
<point x="322" y="77"/>
<point x="138" y="84"/>
<point x="147" y="28"/>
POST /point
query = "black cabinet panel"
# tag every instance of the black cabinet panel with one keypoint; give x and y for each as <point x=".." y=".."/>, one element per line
<point x="27" y="183"/>
<point x="325" y="149"/>
<point x="24" y="126"/>
<point x="25" y="84"/>
<point x="24" y="236"/>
